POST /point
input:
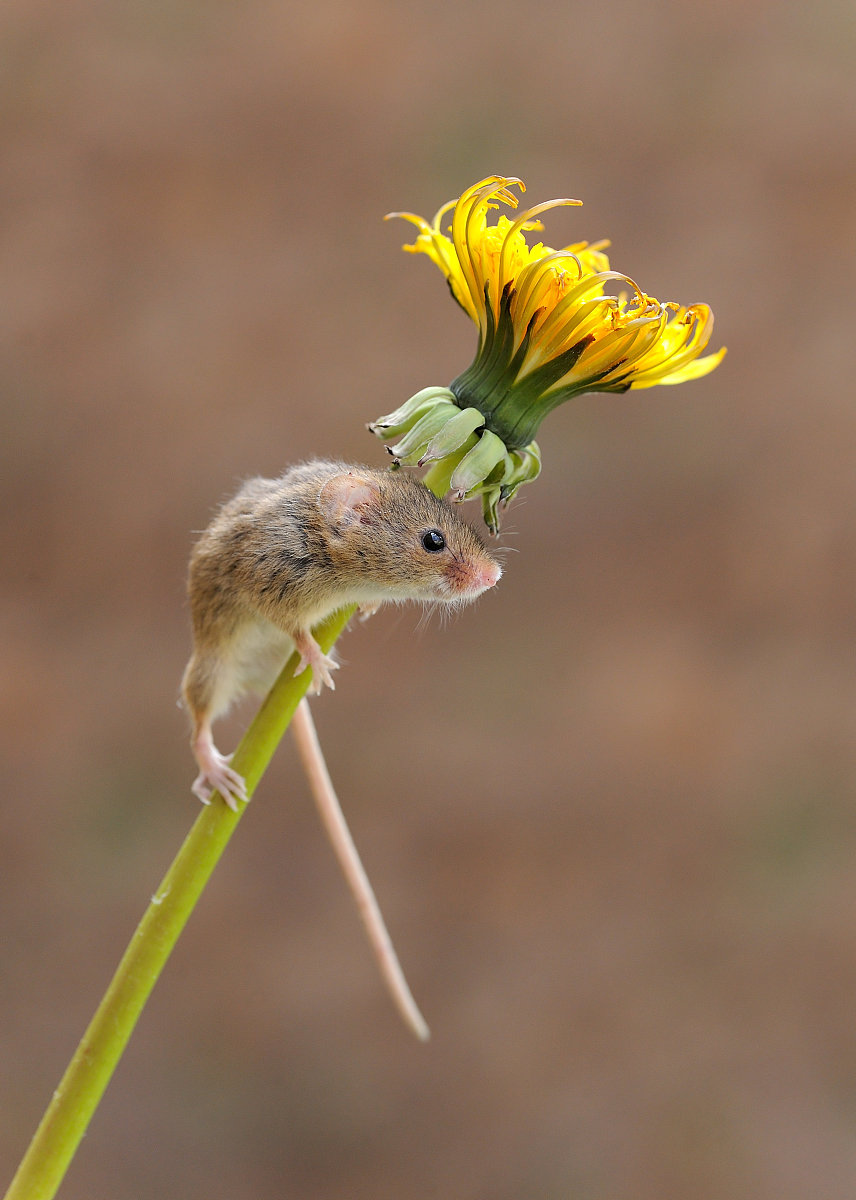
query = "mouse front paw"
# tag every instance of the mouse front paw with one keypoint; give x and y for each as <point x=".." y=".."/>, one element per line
<point x="311" y="655"/>
<point x="321" y="668"/>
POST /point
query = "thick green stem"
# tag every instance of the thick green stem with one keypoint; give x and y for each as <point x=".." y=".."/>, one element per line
<point x="75" y="1100"/>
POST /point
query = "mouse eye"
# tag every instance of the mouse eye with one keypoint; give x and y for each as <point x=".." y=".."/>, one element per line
<point x="433" y="541"/>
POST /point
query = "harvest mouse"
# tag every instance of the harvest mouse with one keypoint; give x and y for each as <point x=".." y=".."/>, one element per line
<point x="285" y="553"/>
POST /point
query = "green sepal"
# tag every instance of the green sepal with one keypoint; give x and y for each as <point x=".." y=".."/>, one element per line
<point x="398" y="422"/>
<point x="525" y="466"/>
<point x="417" y="438"/>
<point x="453" y="434"/>
<point x="439" y="474"/>
<point x="478" y="463"/>
<point x="490" y="499"/>
<point x="391" y="431"/>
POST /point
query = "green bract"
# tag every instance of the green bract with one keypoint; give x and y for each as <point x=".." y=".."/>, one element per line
<point x="468" y="459"/>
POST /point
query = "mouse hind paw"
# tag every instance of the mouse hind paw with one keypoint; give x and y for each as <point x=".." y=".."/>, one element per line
<point x="215" y="775"/>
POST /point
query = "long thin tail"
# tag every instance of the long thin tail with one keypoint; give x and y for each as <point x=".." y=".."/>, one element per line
<point x="312" y="758"/>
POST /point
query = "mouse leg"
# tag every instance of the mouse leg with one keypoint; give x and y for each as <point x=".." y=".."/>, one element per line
<point x="209" y="685"/>
<point x="215" y="774"/>
<point x="311" y="655"/>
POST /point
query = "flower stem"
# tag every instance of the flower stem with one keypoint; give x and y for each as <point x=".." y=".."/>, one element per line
<point x="75" y="1100"/>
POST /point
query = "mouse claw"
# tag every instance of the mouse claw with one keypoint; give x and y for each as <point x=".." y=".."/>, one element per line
<point x="201" y="788"/>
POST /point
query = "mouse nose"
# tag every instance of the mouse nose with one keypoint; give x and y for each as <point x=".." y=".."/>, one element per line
<point x="466" y="578"/>
<point x="485" y="575"/>
<point x="489" y="574"/>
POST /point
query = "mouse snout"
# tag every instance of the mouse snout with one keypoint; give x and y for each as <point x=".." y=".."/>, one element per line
<point x="466" y="578"/>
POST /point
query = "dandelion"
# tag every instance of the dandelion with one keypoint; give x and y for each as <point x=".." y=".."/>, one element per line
<point x="549" y="328"/>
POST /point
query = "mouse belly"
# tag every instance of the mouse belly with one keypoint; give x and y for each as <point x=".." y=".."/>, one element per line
<point x="257" y="655"/>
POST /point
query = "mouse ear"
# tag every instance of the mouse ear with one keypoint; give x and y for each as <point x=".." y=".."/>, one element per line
<point x="349" y="499"/>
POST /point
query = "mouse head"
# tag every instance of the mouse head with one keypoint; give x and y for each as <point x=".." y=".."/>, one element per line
<point x="404" y="539"/>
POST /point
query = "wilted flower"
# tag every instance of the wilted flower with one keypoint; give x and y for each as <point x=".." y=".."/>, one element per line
<point x="548" y="331"/>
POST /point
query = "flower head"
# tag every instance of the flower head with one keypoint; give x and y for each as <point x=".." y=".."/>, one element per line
<point x="549" y="327"/>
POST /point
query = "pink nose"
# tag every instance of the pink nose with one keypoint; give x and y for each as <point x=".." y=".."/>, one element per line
<point x="490" y="574"/>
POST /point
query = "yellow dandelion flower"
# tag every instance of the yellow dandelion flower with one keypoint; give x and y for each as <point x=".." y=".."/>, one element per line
<point x="552" y="324"/>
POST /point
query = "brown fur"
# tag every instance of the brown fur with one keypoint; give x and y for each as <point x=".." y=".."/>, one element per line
<point x="284" y="553"/>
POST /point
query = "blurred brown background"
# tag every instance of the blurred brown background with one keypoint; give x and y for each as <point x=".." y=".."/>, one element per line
<point x="609" y="813"/>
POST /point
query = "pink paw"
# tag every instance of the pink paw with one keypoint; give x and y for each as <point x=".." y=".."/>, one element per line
<point x="321" y="668"/>
<point x="311" y="655"/>
<point x="217" y="776"/>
